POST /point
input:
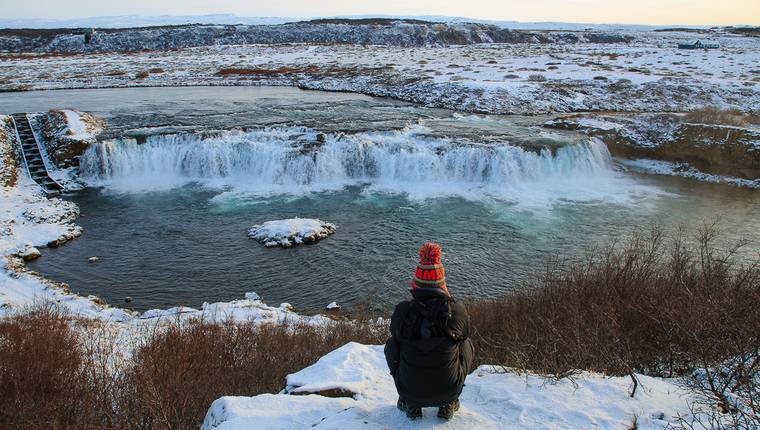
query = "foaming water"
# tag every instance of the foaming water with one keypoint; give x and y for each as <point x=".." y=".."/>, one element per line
<point x="294" y="161"/>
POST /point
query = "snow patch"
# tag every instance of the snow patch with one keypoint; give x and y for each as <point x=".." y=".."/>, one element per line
<point x="351" y="368"/>
<point x="77" y="128"/>
<point x="293" y="231"/>
<point x="493" y="398"/>
<point x="668" y="168"/>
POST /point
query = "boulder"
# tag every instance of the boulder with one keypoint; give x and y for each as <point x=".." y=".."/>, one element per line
<point x="30" y="253"/>
<point x="66" y="134"/>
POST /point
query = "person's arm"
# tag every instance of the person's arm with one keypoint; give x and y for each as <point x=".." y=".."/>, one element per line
<point x="459" y="326"/>
<point x="392" y="354"/>
<point x="392" y="346"/>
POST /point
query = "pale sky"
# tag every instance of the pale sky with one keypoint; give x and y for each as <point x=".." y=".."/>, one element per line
<point x="658" y="12"/>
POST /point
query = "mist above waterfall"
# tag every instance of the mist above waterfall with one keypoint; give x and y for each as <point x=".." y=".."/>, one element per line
<point x="294" y="161"/>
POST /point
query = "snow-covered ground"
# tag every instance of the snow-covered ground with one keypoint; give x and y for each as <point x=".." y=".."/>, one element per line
<point x="493" y="398"/>
<point x="293" y="231"/>
<point x="648" y="74"/>
<point x="668" y="168"/>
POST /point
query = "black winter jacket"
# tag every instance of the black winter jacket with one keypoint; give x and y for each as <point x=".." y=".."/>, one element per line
<point x="429" y="352"/>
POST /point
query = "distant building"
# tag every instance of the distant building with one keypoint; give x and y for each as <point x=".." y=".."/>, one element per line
<point x="698" y="45"/>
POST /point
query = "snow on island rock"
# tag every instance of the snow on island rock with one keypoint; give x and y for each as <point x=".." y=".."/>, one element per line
<point x="493" y="398"/>
<point x="289" y="232"/>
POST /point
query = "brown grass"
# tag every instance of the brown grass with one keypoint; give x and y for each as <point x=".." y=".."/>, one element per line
<point x="713" y="115"/>
<point x="6" y="56"/>
<point x="259" y="71"/>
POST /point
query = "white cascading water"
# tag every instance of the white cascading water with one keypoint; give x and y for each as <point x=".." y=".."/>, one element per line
<point x="274" y="161"/>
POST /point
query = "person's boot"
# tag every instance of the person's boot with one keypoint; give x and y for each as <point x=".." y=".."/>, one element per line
<point x="411" y="413"/>
<point x="447" y="411"/>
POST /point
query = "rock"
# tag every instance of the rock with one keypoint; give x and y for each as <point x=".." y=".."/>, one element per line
<point x="66" y="134"/>
<point x="252" y="297"/>
<point x="715" y="149"/>
<point x="333" y="307"/>
<point x="331" y="392"/>
<point x="30" y="253"/>
<point x="127" y="299"/>
<point x="93" y="259"/>
<point x="73" y="233"/>
<point x="98" y="300"/>
<point x="288" y="232"/>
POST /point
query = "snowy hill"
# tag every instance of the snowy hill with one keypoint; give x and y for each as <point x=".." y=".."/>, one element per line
<point x="371" y="31"/>
<point x="492" y="399"/>
<point x="131" y="21"/>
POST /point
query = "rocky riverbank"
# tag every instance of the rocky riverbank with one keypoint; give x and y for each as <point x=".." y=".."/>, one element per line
<point x="722" y="151"/>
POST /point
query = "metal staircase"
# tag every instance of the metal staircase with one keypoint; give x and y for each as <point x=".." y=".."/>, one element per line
<point x="31" y="153"/>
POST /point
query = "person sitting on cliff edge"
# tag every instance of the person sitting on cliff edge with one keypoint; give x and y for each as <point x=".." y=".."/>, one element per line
<point x="429" y="352"/>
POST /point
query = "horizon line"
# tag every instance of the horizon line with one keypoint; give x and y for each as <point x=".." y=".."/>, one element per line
<point x="296" y="18"/>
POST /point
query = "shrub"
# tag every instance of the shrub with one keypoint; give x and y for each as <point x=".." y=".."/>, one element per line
<point x="179" y="372"/>
<point x="537" y="78"/>
<point x="53" y="377"/>
<point x="652" y="304"/>
<point x="43" y="374"/>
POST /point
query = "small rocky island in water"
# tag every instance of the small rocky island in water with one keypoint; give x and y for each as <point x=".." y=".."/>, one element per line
<point x="288" y="232"/>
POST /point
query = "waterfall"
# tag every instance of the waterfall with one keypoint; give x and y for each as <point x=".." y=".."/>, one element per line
<point x="289" y="160"/>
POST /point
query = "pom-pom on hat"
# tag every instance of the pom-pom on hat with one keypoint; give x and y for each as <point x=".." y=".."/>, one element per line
<point x="430" y="273"/>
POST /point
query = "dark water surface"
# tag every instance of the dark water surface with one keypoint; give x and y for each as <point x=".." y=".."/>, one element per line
<point x="185" y="247"/>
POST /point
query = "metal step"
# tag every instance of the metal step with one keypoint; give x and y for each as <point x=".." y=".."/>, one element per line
<point x="32" y="156"/>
